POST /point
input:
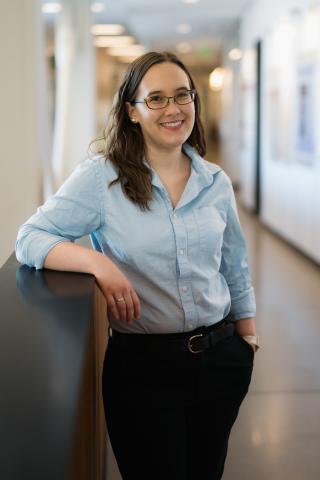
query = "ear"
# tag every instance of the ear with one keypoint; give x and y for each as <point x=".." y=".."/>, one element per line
<point x="131" y="110"/>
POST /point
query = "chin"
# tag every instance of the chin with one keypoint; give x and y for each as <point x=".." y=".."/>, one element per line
<point x="177" y="141"/>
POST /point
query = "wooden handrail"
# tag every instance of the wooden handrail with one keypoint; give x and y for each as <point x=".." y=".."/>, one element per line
<point x="53" y="335"/>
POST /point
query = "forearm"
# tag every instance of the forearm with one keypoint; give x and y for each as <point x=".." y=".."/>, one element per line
<point x="113" y="283"/>
<point x="246" y="326"/>
<point x="70" y="257"/>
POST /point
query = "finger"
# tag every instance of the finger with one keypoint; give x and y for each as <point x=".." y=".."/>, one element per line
<point x="129" y="305"/>
<point x="121" y="306"/>
<point x="136" y="304"/>
<point x="112" y="306"/>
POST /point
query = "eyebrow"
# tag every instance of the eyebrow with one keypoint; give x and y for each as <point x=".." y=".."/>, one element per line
<point x="161" y="91"/>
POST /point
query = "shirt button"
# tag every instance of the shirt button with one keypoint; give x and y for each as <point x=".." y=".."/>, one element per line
<point x="181" y="252"/>
<point x="184" y="289"/>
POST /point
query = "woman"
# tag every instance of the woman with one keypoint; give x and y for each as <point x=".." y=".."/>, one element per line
<point x="170" y="259"/>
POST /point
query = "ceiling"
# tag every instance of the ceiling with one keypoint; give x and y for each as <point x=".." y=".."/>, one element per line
<point x="153" y="23"/>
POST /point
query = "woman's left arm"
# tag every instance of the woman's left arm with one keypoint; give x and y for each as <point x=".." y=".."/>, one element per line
<point x="235" y="269"/>
<point x="246" y="326"/>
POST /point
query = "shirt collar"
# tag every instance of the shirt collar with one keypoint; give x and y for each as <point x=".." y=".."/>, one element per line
<point x="203" y="171"/>
<point x="202" y="176"/>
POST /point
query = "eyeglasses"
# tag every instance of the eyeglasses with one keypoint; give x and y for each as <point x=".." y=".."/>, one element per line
<point x="155" y="102"/>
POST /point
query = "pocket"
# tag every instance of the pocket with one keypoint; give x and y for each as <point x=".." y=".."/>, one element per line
<point x="245" y="344"/>
<point x="211" y="226"/>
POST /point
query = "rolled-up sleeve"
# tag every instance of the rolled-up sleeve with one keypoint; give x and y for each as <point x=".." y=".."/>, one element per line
<point x="234" y="265"/>
<point x="74" y="211"/>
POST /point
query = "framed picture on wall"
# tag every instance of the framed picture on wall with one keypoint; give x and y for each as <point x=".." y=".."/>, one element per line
<point x="305" y="113"/>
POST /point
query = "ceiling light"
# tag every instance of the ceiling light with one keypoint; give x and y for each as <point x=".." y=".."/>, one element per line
<point x="51" y="7"/>
<point x="190" y="1"/>
<point x="183" y="28"/>
<point x="113" y="41"/>
<point x="107" y="29"/>
<point x="184" y="47"/>
<point x="128" y="51"/>
<point x="235" y="54"/>
<point x="97" y="7"/>
<point x="216" y="79"/>
<point x="127" y="59"/>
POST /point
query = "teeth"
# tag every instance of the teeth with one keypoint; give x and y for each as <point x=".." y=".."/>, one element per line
<point x="172" y="124"/>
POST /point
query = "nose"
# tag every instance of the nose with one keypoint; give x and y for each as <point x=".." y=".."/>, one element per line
<point x="172" y="106"/>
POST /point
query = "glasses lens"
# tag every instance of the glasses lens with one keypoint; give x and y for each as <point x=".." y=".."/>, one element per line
<point x="157" y="101"/>
<point x="184" y="97"/>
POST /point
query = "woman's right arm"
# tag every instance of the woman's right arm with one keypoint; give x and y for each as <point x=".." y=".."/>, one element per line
<point x="75" y="258"/>
<point x="76" y="210"/>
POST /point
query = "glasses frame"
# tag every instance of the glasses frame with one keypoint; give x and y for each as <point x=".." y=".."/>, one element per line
<point x="192" y="91"/>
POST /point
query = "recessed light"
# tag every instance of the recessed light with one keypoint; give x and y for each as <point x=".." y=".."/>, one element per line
<point x="190" y="1"/>
<point x="113" y="41"/>
<point x="183" y="28"/>
<point x="129" y="50"/>
<point x="235" y="54"/>
<point x="97" y="7"/>
<point x="107" y="29"/>
<point x="216" y="79"/>
<point x="51" y="7"/>
<point x="184" y="47"/>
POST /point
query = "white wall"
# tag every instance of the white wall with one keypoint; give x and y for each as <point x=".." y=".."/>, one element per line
<point x="27" y="160"/>
<point x="230" y="112"/>
<point x="75" y="124"/>
<point x="290" y="189"/>
<point x="21" y="119"/>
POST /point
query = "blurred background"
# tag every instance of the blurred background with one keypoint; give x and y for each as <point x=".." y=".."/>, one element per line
<point x="256" y="65"/>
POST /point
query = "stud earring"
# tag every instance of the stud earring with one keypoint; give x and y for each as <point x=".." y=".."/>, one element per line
<point x="134" y="120"/>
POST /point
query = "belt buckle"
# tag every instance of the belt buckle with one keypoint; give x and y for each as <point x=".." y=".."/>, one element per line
<point x="190" y="346"/>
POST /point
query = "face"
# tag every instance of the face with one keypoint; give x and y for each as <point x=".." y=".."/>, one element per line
<point x="167" y="128"/>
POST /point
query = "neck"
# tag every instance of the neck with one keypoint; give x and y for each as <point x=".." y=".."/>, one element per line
<point x="169" y="161"/>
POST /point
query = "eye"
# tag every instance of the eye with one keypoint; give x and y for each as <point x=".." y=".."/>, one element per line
<point x="156" y="98"/>
<point x="183" y="95"/>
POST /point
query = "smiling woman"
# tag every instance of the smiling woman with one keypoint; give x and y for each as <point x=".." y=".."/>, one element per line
<point x="150" y="130"/>
<point x="170" y="259"/>
<point x="165" y="125"/>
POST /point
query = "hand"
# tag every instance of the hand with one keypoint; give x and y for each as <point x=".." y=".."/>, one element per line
<point x="122" y="300"/>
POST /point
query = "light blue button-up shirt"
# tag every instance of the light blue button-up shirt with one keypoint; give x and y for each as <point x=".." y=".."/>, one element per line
<point x="187" y="264"/>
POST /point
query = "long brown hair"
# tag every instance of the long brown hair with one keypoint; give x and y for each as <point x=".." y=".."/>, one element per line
<point x="124" y="141"/>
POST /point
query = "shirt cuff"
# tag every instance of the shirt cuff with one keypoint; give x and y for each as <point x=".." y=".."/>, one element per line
<point x="244" y="306"/>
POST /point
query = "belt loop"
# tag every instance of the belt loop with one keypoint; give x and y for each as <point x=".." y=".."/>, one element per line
<point x="229" y="318"/>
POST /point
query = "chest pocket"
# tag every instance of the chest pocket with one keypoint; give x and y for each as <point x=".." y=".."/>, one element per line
<point x="211" y="225"/>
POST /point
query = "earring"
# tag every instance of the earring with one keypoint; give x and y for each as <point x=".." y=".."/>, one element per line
<point x="134" y="120"/>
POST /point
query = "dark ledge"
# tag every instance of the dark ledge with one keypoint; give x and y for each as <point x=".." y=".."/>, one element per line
<point x="52" y="343"/>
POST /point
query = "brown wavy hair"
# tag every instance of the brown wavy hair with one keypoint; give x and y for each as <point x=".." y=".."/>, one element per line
<point x="124" y="142"/>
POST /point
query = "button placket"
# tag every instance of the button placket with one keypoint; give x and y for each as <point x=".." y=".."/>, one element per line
<point x="184" y="275"/>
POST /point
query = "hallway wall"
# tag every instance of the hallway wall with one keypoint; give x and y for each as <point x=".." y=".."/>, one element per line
<point x="75" y="115"/>
<point x="42" y="143"/>
<point x="22" y="121"/>
<point x="290" y="174"/>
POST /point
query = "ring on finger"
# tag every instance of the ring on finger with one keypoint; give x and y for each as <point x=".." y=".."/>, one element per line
<point x="120" y="299"/>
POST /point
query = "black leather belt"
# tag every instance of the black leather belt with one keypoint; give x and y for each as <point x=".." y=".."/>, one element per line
<point x="195" y="342"/>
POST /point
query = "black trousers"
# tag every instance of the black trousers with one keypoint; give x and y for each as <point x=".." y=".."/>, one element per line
<point x="169" y="415"/>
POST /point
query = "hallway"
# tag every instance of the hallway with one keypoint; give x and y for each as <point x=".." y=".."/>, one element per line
<point x="277" y="434"/>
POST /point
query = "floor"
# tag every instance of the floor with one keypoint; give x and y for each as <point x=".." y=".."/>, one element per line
<point x="277" y="434"/>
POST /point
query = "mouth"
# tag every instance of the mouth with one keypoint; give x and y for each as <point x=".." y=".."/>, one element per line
<point x="172" y="125"/>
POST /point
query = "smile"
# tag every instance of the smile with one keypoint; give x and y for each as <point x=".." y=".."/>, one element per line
<point x="172" y="124"/>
